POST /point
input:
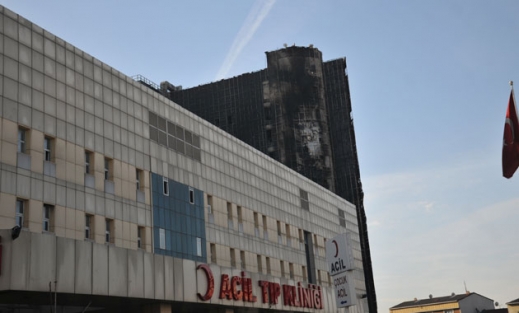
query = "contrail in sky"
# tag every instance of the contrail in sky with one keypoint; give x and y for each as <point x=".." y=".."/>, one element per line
<point x="257" y="14"/>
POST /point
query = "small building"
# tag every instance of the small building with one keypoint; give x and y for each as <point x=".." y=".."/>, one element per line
<point x="469" y="302"/>
<point x="513" y="306"/>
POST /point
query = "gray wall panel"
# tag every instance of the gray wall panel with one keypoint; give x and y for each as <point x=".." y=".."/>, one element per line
<point x="136" y="273"/>
<point x="65" y="257"/>
<point x="83" y="267"/>
<point x="42" y="260"/>
<point x="100" y="269"/>
<point x="178" y="272"/>
<point x="189" y="280"/>
<point x="159" y="276"/>
<point x="169" y="279"/>
<point x="149" y="274"/>
<point x="117" y="271"/>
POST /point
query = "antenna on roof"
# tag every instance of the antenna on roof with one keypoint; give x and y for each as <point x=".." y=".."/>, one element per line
<point x="465" y="286"/>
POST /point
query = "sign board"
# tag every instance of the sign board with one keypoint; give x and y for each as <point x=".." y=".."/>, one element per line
<point x="339" y="254"/>
<point x="344" y="290"/>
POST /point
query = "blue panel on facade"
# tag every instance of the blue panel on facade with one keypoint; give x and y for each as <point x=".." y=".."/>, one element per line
<point x="182" y="220"/>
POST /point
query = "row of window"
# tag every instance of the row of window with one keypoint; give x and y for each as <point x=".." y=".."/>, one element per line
<point x="259" y="262"/>
<point x="48" y="144"/>
<point x="47" y="216"/>
<point x="48" y="223"/>
<point x="165" y="190"/>
<point x="109" y="231"/>
<point x="257" y="227"/>
<point x="162" y="242"/>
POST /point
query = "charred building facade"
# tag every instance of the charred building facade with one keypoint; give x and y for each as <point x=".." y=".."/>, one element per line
<point x="297" y="111"/>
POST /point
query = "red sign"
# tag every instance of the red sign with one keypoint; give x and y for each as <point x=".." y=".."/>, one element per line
<point x="240" y="288"/>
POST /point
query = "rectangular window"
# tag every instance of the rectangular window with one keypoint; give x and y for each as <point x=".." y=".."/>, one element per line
<point x="165" y="186"/>
<point x="47" y="148"/>
<point x="265" y="231"/>
<point x="20" y="211"/>
<point x="233" y="258"/>
<point x="198" y="246"/>
<point x="240" y="219"/>
<point x="213" y="253"/>
<point x="109" y="223"/>
<point x="256" y="224"/>
<point x="22" y="140"/>
<point x="342" y="218"/>
<point x="267" y="261"/>
<point x="282" y="267"/>
<point x="138" y="177"/>
<point x="303" y="195"/>
<point x="191" y="196"/>
<point x="162" y="238"/>
<point x="303" y="269"/>
<point x="291" y="270"/>
<point x="48" y="210"/>
<point x="88" y="226"/>
<point x="230" y="223"/>
<point x="88" y="163"/>
<point x="242" y="259"/>
<point x="140" y="235"/>
<point x="108" y="169"/>
<point x="289" y="238"/>
<point x="260" y="266"/>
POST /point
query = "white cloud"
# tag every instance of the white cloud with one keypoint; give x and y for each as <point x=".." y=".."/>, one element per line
<point x="253" y="21"/>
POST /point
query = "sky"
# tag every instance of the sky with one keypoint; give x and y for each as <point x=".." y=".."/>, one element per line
<point x="429" y="84"/>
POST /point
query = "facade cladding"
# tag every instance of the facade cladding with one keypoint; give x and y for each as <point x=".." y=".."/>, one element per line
<point x="298" y="111"/>
<point x="127" y="202"/>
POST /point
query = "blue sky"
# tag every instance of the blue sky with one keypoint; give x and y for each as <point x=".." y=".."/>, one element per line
<point x="429" y="88"/>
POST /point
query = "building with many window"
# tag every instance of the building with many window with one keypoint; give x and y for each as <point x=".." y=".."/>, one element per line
<point x="297" y="111"/>
<point x="468" y="302"/>
<point x="115" y="199"/>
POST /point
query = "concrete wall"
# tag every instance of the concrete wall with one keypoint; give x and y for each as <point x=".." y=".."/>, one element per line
<point x="475" y="303"/>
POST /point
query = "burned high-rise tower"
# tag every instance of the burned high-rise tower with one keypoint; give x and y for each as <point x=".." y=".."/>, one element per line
<point x="298" y="111"/>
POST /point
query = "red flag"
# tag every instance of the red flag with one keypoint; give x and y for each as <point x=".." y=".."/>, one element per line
<point x="511" y="140"/>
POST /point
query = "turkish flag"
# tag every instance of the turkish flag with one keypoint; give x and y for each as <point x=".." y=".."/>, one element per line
<point x="511" y="140"/>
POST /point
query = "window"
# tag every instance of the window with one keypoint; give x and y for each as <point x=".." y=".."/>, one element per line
<point x="282" y="267"/>
<point x="88" y="163"/>
<point x="213" y="253"/>
<point x="22" y="140"/>
<point x="191" y="195"/>
<point x="48" y="210"/>
<point x="165" y="186"/>
<point x="240" y="219"/>
<point x="138" y="178"/>
<point x="198" y="246"/>
<point x="267" y="261"/>
<point x="303" y="269"/>
<point x="108" y="169"/>
<point x="20" y="211"/>
<point x="233" y="258"/>
<point x="256" y="224"/>
<point x="230" y="223"/>
<point x="140" y="234"/>
<point x="47" y="148"/>
<point x="109" y="230"/>
<point x="280" y="235"/>
<point x="289" y="238"/>
<point x="265" y="231"/>
<point x="242" y="259"/>
<point x="88" y="226"/>
<point x="260" y="266"/>
<point x="162" y="238"/>
<point x="303" y="195"/>
<point x="291" y="270"/>
<point x="342" y="219"/>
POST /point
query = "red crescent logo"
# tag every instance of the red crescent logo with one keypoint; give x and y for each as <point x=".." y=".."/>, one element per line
<point x="336" y="248"/>
<point x="210" y="282"/>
